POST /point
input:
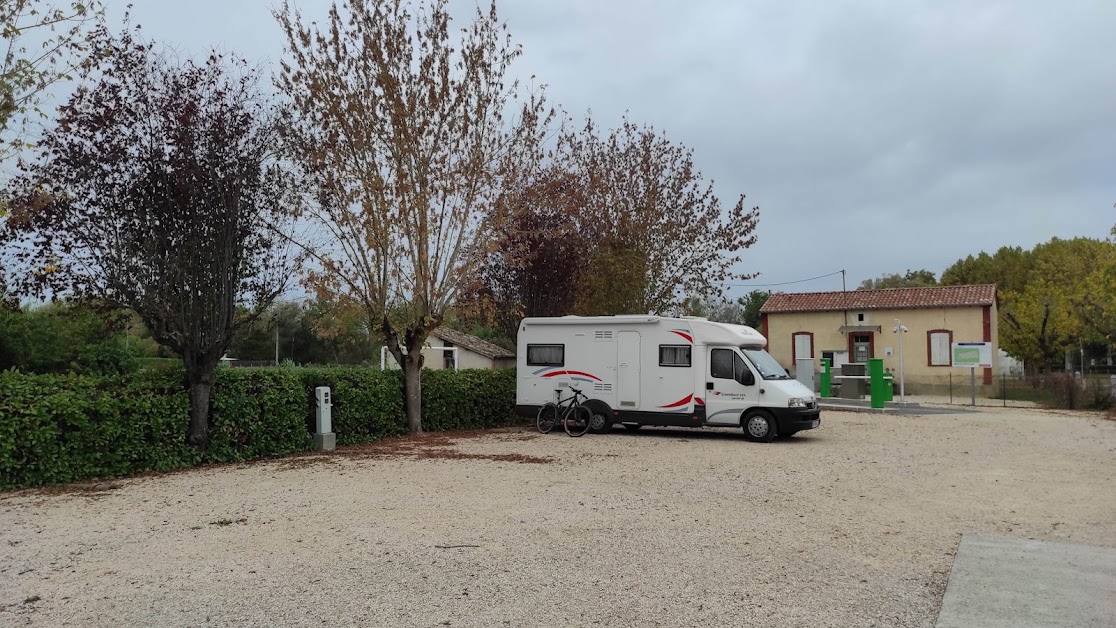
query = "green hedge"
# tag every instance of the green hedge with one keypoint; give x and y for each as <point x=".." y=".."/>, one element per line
<point x="465" y="400"/>
<point x="367" y="404"/>
<point x="62" y="428"/>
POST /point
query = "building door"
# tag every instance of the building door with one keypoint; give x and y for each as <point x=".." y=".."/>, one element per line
<point x="627" y="369"/>
<point x="860" y="346"/>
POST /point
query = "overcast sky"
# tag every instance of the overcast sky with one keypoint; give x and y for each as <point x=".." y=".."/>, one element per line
<point x="874" y="135"/>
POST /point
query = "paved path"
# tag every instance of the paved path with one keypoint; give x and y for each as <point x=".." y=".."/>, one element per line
<point x="1025" y="583"/>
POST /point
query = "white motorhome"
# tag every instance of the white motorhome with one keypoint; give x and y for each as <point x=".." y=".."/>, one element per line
<point x="652" y="370"/>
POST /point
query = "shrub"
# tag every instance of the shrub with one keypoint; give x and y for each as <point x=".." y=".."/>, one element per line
<point x="1099" y="395"/>
<point x="1067" y="391"/>
<point x="160" y="364"/>
<point x="62" y="428"/>
<point x="471" y="399"/>
<point x="256" y="413"/>
<point x="367" y="404"/>
<point x="61" y="337"/>
<point x="112" y="357"/>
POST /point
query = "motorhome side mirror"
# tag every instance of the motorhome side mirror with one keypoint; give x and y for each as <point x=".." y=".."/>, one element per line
<point x="748" y="379"/>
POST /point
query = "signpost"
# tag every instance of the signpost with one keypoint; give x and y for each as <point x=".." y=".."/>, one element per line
<point x="972" y="355"/>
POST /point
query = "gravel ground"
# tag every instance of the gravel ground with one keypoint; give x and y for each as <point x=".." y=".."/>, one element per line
<point x="853" y="524"/>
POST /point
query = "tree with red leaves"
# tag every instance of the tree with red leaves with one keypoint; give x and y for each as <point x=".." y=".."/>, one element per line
<point x="158" y="191"/>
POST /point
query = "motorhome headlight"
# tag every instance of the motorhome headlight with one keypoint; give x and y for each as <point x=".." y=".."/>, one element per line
<point x="797" y="402"/>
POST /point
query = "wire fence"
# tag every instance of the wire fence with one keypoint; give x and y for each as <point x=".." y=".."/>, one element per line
<point x="1073" y="391"/>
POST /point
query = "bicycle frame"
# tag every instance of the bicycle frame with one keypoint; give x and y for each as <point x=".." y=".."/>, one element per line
<point x="571" y="401"/>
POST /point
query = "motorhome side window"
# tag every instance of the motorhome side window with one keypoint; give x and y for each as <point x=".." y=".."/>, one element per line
<point x="720" y="365"/>
<point x="674" y="355"/>
<point x="546" y="355"/>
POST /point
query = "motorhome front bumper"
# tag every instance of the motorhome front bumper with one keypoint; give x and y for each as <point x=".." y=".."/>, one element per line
<point x="796" y="419"/>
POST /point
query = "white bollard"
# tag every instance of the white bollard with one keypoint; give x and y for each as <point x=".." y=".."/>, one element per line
<point x="324" y="438"/>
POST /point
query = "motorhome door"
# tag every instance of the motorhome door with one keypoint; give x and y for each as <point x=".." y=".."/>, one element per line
<point x="627" y="369"/>
<point x="730" y="387"/>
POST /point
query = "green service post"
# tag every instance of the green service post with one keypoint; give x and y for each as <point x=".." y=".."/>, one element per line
<point x="825" y="386"/>
<point x="876" y="381"/>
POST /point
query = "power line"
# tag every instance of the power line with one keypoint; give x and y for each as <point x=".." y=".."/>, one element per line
<point x="785" y="283"/>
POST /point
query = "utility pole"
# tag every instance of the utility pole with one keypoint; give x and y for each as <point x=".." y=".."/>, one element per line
<point x="844" y="297"/>
<point x="276" y="345"/>
<point x="901" y="329"/>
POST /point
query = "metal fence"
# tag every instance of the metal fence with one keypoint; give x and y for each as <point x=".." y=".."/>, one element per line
<point x="1094" y="391"/>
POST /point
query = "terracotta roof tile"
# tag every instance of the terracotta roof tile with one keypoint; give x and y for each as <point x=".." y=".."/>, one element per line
<point x="472" y="343"/>
<point x="895" y="298"/>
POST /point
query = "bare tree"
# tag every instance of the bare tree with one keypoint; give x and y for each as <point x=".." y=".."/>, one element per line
<point x="158" y="191"/>
<point x="655" y="220"/>
<point x="405" y="130"/>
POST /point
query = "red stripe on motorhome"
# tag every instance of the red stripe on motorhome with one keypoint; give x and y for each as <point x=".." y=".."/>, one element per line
<point x="581" y="373"/>
<point x="679" y="403"/>
<point x="688" y="337"/>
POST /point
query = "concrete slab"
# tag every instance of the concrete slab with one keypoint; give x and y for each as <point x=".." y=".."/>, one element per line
<point x="903" y="410"/>
<point x="1029" y="584"/>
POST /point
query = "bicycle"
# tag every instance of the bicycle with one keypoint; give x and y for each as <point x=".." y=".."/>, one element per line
<point x="575" y="417"/>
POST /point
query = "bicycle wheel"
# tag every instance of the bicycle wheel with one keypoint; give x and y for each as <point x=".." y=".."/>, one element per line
<point x="577" y="420"/>
<point x="548" y="416"/>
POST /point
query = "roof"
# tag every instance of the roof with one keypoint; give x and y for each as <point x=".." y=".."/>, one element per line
<point x="891" y="299"/>
<point x="472" y="343"/>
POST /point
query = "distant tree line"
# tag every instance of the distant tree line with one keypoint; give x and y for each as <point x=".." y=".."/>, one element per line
<point x="1056" y="297"/>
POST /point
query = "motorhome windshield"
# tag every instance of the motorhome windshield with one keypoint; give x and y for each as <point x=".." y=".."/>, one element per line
<point x="766" y="365"/>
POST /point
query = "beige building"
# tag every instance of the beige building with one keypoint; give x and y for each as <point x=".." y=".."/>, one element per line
<point x="851" y="327"/>
<point x="471" y="352"/>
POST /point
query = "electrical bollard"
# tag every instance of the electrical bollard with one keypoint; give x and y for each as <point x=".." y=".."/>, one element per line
<point x="324" y="438"/>
<point x="825" y="380"/>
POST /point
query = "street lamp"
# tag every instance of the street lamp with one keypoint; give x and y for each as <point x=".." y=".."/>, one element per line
<point x="900" y="329"/>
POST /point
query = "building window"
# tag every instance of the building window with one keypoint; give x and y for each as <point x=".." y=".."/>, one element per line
<point x="938" y="343"/>
<point x="546" y="355"/>
<point x="674" y="355"/>
<point x="860" y="318"/>
<point x="447" y="356"/>
<point x="802" y="345"/>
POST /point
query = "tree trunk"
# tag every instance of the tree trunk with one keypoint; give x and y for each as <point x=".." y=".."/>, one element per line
<point x="411" y="363"/>
<point x="412" y="392"/>
<point x="199" y="379"/>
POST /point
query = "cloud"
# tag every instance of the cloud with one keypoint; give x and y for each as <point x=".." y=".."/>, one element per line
<point x="875" y="135"/>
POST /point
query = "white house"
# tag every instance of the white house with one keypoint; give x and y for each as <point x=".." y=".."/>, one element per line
<point x="468" y="352"/>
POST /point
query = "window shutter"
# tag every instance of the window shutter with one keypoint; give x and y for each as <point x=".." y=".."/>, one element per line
<point x="939" y="349"/>
<point x="803" y="347"/>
